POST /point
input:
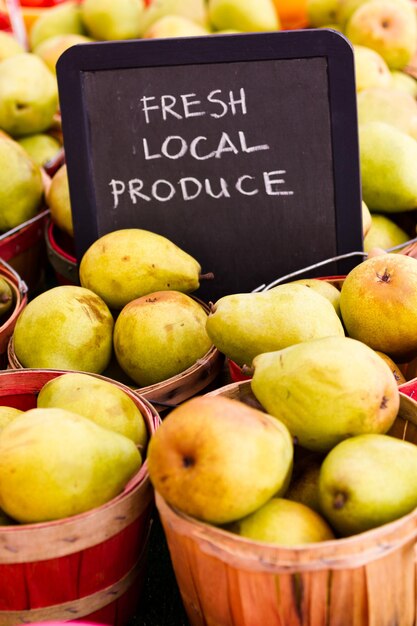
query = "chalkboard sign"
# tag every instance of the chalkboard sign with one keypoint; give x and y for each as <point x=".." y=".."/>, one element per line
<point x="241" y="149"/>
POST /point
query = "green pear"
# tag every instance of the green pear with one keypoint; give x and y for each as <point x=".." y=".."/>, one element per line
<point x="404" y="82"/>
<point x="41" y="147"/>
<point x="322" y="12"/>
<point x="325" y="390"/>
<point x="174" y="26"/>
<point x="219" y="459"/>
<point x="243" y="15"/>
<point x="383" y="104"/>
<point x="58" y="201"/>
<point x="7" y="415"/>
<point x="388" y="27"/>
<point x="21" y="185"/>
<point x="66" y="327"/>
<point x="384" y="233"/>
<point x="194" y="10"/>
<point x="129" y="263"/>
<point x="28" y="95"/>
<point x="304" y="485"/>
<point x="49" y="50"/>
<point x="324" y="288"/>
<point x="159" y="336"/>
<point x="108" y="20"/>
<point x="388" y="163"/>
<point x="9" y="46"/>
<point x="55" y="464"/>
<point x="371" y="69"/>
<point x="367" y="481"/>
<point x="63" y="18"/>
<point x="284" y="522"/>
<point x="6" y="297"/>
<point x="378" y="302"/>
<point x="99" y="400"/>
<point x="244" y="325"/>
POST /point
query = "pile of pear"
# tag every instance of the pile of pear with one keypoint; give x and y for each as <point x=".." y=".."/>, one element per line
<point x="383" y="35"/>
<point x="75" y="451"/>
<point x="310" y="453"/>
<point x="133" y="309"/>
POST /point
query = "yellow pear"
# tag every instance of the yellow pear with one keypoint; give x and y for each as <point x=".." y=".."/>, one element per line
<point x="194" y="10"/>
<point x="129" y="263"/>
<point x="6" y="297"/>
<point x="326" y="389"/>
<point x="41" y="147"/>
<point x="99" y="400"/>
<point x="244" y="325"/>
<point x="398" y="375"/>
<point x="388" y="163"/>
<point x="21" y="185"/>
<point x="378" y="302"/>
<point x="49" y="50"/>
<point x="366" y="219"/>
<point x="7" y="415"/>
<point x="107" y="19"/>
<point x="371" y="69"/>
<point x="367" y="481"/>
<point x="9" y="46"/>
<point x="66" y="327"/>
<point x="58" y="201"/>
<point x="55" y="464"/>
<point x="322" y="12"/>
<point x="219" y="459"/>
<point x="284" y="522"/>
<point x="389" y="28"/>
<point x="384" y="104"/>
<point x="243" y="15"/>
<point x="324" y="288"/>
<point x="174" y="26"/>
<point x="404" y="82"/>
<point x="384" y="233"/>
<point x="63" y="18"/>
<point x="160" y="335"/>
<point x="28" y="95"/>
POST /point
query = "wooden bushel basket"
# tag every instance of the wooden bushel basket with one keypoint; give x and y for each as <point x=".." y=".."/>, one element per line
<point x="365" y="580"/>
<point x="90" y="566"/>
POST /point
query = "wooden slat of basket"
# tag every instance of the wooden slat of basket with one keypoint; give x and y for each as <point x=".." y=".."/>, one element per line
<point x="63" y="537"/>
<point x="76" y="609"/>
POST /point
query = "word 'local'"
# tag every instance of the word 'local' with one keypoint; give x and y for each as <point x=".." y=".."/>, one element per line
<point x="200" y="148"/>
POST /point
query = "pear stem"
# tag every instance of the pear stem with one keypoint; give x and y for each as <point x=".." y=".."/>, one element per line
<point x="207" y="276"/>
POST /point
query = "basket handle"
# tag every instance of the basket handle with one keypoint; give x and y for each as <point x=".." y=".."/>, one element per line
<point x="22" y="286"/>
<point x="347" y="255"/>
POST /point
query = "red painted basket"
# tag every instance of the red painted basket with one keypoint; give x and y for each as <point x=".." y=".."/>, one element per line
<point x="90" y="566"/>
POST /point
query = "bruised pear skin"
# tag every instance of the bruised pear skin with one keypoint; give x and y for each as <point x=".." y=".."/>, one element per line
<point x="326" y="390"/>
<point x="129" y="263"/>
<point x="367" y="481"/>
<point x="66" y="327"/>
<point x="378" y="302"/>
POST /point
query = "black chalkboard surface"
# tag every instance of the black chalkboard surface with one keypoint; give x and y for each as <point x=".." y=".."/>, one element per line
<point x="241" y="149"/>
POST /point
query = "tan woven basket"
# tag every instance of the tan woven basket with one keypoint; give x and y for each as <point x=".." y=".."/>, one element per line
<point x="364" y="580"/>
<point x="167" y="393"/>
